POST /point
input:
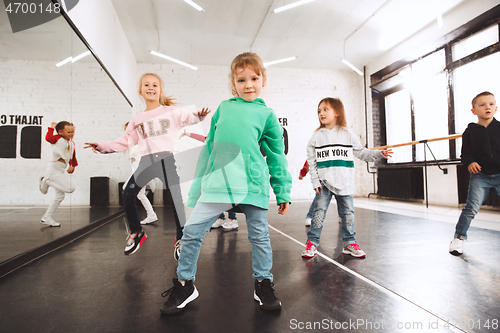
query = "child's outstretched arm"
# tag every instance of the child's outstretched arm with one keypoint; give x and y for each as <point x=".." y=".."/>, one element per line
<point x="50" y="136"/>
<point x="203" y="113"/>
<point x="387" y="153"/>
<point x="92" y="145"/>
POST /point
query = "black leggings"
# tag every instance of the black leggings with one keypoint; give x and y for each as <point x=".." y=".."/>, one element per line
<point x="159" y="165"/>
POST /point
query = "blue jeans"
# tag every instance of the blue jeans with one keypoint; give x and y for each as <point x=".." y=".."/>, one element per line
<point x="345" y="208"/>
<point x="198" y="224"/>
<point x="310" y="213"/>
<point x="479" y="189"/>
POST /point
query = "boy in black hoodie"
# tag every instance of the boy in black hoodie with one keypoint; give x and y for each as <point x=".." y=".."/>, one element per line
<point x="481" y="155"/>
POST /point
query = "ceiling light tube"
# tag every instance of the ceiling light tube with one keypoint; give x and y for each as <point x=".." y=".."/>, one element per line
<point x="351" y="66"/>
<point x="196" y="6"/>
<point x="65" y="61"/>
<point x="292" y="5"/>
<point x="270" y="63"/>
<point x="173" y="60"/>
<point x="78" y="57"/>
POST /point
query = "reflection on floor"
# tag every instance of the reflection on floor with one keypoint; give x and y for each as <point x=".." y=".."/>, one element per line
<point x="407" y="283"/>
<point x="21" y="230"/>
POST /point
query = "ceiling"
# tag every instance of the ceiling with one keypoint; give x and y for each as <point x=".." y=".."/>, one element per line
<point x="319" y="33"/>
<point x="316" y="32"/>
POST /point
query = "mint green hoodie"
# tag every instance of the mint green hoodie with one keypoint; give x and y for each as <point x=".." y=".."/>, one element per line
<point x="231" y="168"/>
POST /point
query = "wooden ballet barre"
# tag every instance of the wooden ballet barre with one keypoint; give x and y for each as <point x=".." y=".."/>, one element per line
<point x="449" y="137"/>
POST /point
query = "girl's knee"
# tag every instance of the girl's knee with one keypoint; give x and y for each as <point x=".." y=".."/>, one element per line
<point x="349" y="219"/>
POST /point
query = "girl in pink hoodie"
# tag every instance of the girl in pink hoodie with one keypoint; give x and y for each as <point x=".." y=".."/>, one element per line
<point x="154" y="131"/>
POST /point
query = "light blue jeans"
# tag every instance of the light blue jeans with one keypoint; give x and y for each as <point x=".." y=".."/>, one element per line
<point x="200" y="221"/>
<point x="312" y="209"/>
<point x="479" y="189"/>
<point x="345" y="208"/>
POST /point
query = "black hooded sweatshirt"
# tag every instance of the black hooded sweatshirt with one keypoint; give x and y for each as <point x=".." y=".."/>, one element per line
<point x="482" y="145"/>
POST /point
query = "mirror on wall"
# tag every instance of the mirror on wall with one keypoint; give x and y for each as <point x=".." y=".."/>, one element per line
<point x="48" y="75"/>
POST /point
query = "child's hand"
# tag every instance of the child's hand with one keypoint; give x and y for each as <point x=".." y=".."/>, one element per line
<point x="184" y="133"/>
<point x="474" y="167"/>
<point x="317" y="189"/>
<point x="203" y="113"/>
<point x="387" y="153"/>
<point x="53" y="125"/>
<point x="300" y="177"/>
<point x="71" y="169"/>
<point x="283" y="208"/>
<point x="92" y="145"/>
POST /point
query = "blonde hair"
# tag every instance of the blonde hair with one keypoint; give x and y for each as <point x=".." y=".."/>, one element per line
<point x="243" y="60"/>
<point x="484" y="93"/>
<point x="338" y="108"/>
<point x="164" y="100"/>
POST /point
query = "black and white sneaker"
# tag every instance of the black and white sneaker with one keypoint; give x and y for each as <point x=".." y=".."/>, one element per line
<point x="134" y="242"/>
<point x="177" y="249"/>
<point x="266" y="296"/>
<point x="178" y="297"/>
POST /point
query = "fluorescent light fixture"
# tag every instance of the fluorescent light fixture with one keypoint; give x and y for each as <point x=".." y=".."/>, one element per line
<point x="196" y="6"/>
<point x="173" y="60"/>
<point x="292" y="5"/>
<point x="78" y="57"/>
<point x="351" y="66"/>
<point x="270" y="63"/>
<point x="65" y="61"/>
<point x="75" y="59"/>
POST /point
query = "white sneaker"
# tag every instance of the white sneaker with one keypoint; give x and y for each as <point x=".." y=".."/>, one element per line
<point x="44" y="187"/>
<point x="150" y="219"/>
<point x="354" y="250"/>
<point x="456" y="246"/>
<point x="50" y="222"/>
<point x="230" y="224"/>
<point x="217" y="224"/>
<point x="308" y="222"/>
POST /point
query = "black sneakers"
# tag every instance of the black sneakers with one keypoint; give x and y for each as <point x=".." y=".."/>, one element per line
<point x="266" y="296"/>
<point x="178" y="297"/>
<point x="134" y="242"/>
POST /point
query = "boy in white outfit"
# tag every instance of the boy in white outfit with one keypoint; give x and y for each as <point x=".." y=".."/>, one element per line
<point x="63" y="159"/>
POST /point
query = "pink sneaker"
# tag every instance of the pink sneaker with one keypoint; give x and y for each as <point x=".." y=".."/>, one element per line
<point x="310" y="250"/>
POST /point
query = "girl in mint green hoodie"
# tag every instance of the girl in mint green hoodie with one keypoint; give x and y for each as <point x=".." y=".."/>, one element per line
<point x="232" y="172"/>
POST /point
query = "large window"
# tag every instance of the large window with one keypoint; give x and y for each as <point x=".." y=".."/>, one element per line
<point x="430" y="97"/>
<point x="399" y="124"/>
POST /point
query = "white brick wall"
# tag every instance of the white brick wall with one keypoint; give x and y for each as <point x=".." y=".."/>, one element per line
<point x="83" y="94"/>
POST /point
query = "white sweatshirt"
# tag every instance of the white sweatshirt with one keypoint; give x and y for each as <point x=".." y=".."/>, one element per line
<point x="330" y="154"/>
